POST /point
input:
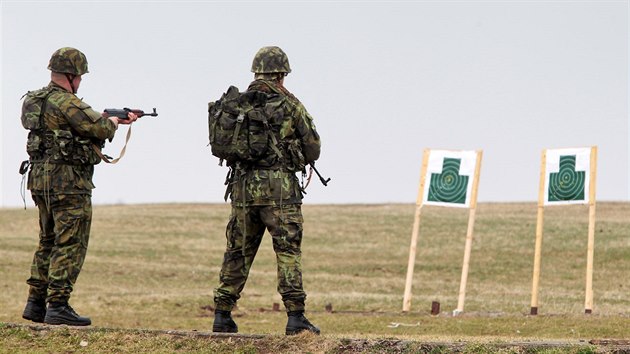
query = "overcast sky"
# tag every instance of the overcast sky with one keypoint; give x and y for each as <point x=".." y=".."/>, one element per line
<point x="383" y="81"/>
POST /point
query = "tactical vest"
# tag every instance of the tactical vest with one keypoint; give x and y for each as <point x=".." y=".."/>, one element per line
<point x="63" y="145"/>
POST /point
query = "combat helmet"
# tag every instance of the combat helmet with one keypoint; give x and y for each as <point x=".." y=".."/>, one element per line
<point x="270" y="60"/>
<point x="68" y="61"/>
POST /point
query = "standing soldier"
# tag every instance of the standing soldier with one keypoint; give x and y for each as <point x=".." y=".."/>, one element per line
<point x="266" y="195"/>
<point x="64" y="134"/>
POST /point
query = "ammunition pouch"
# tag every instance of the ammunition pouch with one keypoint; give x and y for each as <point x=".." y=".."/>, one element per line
<point x="296" y="161"/>
<point x="60" y="146"/>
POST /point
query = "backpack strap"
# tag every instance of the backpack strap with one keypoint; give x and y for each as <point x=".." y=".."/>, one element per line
<point x="41" y="113"/>
<point x="272" y="136"/>
<point x="274" y="145"/>
<point x="239" y="122"/>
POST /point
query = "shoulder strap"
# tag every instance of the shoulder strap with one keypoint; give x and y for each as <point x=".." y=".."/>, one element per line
<point x="43" y="110"/>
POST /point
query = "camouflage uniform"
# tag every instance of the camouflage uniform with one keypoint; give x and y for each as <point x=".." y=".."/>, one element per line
<point x="266" y="195"/>
<point x="63" y="130"/>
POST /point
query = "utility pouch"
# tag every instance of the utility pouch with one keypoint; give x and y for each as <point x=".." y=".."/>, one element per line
<point x="64" y="141"/>
<point x="24" y="166"/>
<point x="33" y="143"/>
<point x="296" y="157"/>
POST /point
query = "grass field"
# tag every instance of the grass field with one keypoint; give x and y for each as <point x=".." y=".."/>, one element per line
<point x="155" y="266"/>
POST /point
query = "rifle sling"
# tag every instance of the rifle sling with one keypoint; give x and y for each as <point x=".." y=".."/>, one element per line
<point x="122" y="152"/>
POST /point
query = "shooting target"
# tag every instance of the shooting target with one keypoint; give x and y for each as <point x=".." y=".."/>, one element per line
<point x="448" y="178"/>
<point x="567" y="176"/>
<point x="567" y="184"/>
<point x="448" y="186"/>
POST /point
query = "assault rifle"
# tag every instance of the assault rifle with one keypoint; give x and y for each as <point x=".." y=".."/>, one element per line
<point x="122" y="113"/>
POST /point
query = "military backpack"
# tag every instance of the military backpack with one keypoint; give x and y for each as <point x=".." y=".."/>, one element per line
<point x="243" y="126"/>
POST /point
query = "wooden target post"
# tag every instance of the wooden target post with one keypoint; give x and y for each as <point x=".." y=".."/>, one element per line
<point x="588" y="302"/>
<point x="414" y="234"/>
<point x="545" y="199"/>
<point x="539" y="235"/>
<point x="469" y="238"/>
<point x="420" y="201"/>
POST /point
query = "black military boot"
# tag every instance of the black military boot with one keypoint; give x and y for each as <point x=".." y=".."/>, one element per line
<point x="223" y="322"/>
<point x="59" y="313"/>
<point x="298" y="323"/>
<point x="35" y="310"/>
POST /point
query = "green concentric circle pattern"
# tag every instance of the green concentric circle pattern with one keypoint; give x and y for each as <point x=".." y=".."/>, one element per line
<point x="448" y="186"/>
<point x="567" y="184"/>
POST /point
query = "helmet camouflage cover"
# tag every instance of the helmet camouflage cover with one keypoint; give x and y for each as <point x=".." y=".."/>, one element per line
<point x="68" y="60"/>
<point x="270" y="60"/>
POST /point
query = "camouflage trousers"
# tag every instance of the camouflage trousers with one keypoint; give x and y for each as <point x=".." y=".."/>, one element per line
<point x="244" y="234"/>
<point x="64" y="222"/>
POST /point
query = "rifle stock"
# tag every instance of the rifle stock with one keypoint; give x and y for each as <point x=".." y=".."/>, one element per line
<point x="321" y="179"/>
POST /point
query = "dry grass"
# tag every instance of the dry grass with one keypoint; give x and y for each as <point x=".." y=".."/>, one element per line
<point x="155" y="266"/>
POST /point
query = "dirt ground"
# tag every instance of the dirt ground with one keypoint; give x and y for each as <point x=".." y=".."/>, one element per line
<point x="350" y="345"/>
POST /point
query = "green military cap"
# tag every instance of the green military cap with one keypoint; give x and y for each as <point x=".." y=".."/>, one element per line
<point x="270" y="60"/>
<point x="68" y="60"/>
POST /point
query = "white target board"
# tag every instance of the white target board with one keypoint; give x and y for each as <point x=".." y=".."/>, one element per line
<point x="567" y="176"/>
<point x="449" y="178"/>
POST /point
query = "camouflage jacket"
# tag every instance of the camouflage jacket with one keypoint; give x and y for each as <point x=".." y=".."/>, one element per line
<point x="270" y="181"/>
<point x="63" y="129"/>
